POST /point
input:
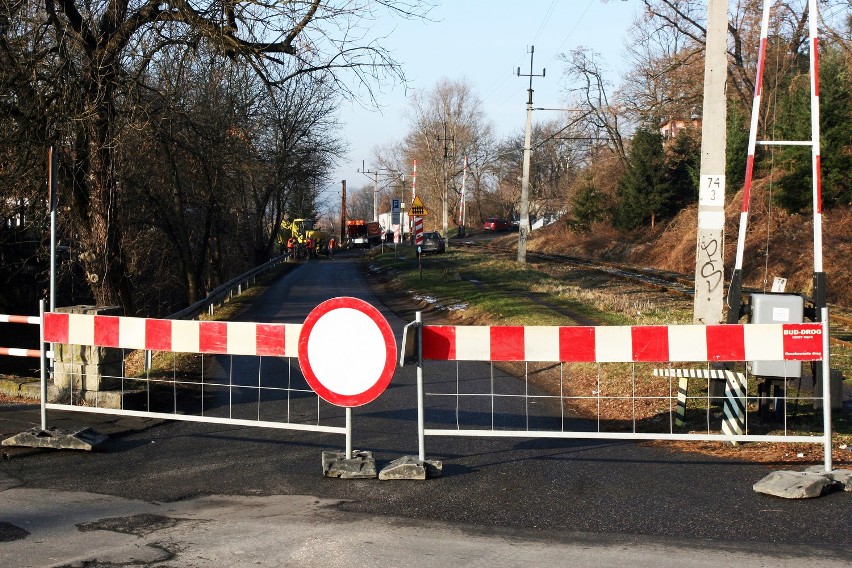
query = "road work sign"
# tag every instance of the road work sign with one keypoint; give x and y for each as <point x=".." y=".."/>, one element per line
<point x="347" y="351"/>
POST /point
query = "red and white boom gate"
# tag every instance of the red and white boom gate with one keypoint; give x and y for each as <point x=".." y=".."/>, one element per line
<point x="819" y="280"/>
<point x="659" y="344"/>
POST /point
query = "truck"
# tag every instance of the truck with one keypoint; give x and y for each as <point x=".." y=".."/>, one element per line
<point x="302" y="230"/>
<point x="361" y="233"/>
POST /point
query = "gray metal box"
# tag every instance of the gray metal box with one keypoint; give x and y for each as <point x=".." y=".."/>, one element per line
<point x="777" y="308"/>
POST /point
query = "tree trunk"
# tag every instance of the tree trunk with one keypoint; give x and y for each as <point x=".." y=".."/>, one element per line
<point x="101" y="236"/>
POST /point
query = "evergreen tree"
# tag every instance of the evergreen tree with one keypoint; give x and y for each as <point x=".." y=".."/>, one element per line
<point x="644" y="192"/>
<point x="736" y="148"/>
<point x="795" y="189"/>
<point x="683" y="166"/>
<point x="588" y="207"/>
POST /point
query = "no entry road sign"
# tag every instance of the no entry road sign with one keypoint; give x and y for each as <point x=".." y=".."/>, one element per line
<point x="347" y="351"/>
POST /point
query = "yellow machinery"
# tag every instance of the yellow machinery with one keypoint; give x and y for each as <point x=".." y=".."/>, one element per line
<point x="302" y="230"/>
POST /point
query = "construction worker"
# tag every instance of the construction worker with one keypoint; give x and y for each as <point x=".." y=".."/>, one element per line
<point x="291" y="248"/>
<point x="332" y="244"/>
<point x="309" y="244"/>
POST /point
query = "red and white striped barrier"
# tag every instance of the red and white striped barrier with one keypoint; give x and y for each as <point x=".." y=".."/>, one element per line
<point x="20" y="352"/>
<point x="625" y="344"/>
<point x="182" y="336"/>
<point x="33" y="320"/>
<point x="16" y="351"/>
<point x="418" y="231"/>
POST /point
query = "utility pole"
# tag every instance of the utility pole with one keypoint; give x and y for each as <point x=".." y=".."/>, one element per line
<point x="343" y="213"/>
<point x="375" y="173"/>
<point x="524" y="224"/>
<point x="447" y="140"/>
<point x="462" y="204"/>
<point x="709" y="267"/>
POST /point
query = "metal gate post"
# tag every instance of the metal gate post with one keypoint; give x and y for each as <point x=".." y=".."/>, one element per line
<point x="348" y="432"/>
<point x="421" y="422"/>
<point x="826" y="392"/>
<point x="42" y="365"/>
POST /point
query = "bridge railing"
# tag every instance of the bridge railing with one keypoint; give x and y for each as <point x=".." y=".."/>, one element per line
<point x="227" y="290"/>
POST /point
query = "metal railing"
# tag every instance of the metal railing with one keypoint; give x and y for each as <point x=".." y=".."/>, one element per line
<point x="226" y="291"/>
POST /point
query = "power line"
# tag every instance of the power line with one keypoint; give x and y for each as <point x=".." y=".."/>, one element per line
<point x="571" y="31"/>
<point x="503" y="79"/>
<point x="545" y="20"/>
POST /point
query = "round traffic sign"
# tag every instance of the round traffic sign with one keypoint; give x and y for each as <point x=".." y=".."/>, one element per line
<point x="347" y="351"/>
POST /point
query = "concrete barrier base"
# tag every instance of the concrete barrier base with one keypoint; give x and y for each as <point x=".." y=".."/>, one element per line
<point x="795" y="484"/>
<point x="85" y="439"/>
<point x="410" y="467"/>
<point x="360" y="465"/>
<point x="841" y="476"/>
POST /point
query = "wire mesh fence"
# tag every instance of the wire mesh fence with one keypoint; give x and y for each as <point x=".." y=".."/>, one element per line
<point x="262" y="391"/>
<point x="646" y="399"/>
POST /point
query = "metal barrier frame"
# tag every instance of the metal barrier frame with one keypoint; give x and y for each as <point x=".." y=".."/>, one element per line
<point x="770" y="353"/>
<point x="42" y="353"/>
<point x="177" y="336"/>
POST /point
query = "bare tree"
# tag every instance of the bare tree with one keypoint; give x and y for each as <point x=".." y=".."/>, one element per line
<point x="788" y="29"/>
<point x="447" y="124"/>
<point x="558" y="153"/>
<point x="89" y="55"/>
<point x="588" y="88"/>
<point x="214" y="161"/>
<point x="666" y="80"/>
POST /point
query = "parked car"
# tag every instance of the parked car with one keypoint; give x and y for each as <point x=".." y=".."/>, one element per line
<point x="433" y="242"/>
<point x="496" y="224"/>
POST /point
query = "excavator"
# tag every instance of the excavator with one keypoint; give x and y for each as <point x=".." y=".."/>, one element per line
<point x="303" y="230"/>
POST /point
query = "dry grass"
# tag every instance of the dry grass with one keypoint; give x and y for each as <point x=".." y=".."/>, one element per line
<point x="6" y="399"/>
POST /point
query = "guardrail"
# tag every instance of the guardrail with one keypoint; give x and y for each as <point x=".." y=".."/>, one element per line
<point x="226" y="290"/>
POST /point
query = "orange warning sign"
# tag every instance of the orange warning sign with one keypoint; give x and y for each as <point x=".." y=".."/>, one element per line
<point x="417" y="208"/>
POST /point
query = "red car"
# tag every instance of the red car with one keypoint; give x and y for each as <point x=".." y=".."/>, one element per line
<point x="496" y="224"/>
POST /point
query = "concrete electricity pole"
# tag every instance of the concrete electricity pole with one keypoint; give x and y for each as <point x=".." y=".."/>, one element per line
<point x="343" y="212"/>
<point x="447" y="140"/>
<point x="375" y="173"/>
<point x="709" y="266"/>
<point x="524" y="225"/>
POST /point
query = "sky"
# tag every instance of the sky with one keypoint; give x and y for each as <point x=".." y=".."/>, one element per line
<point x="483" y="42"/>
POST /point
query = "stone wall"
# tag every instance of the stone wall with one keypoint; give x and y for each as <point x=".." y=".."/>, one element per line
<point x="87" y="368"/>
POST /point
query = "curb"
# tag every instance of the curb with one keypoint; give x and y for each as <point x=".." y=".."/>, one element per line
<point x="21" y="387"/>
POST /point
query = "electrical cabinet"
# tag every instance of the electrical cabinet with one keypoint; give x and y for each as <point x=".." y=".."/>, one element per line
<point x="777" y="308"/>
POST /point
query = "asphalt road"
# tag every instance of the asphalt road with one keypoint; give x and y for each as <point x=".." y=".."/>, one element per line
<point x="189" y="494"/>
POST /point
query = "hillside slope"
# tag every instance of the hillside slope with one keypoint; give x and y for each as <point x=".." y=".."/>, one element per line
<point x="777" y="244"/>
